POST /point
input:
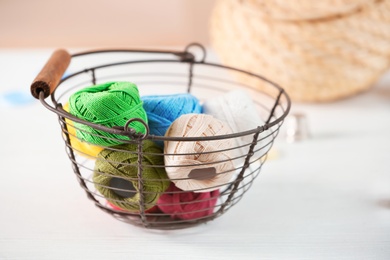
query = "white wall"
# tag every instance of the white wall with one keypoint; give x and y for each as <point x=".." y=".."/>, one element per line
<point x="103" y="23"/>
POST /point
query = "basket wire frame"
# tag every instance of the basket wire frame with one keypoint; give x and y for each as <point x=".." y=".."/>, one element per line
<point x="273" y="106"/>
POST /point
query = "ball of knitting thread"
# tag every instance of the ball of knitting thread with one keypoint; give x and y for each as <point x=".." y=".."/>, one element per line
<point x="186" y="204"/>
<point x="109" y="104"/>
<point x="182" y="158"/>
<point x="238" y="110"/>
<point x="153" y="209"/>
<point x="164" y="109"/>
<point x="116" y="167"/>
<point x="79" y="146"/>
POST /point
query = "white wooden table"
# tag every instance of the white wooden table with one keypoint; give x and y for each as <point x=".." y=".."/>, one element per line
<point x="327" y="197"/>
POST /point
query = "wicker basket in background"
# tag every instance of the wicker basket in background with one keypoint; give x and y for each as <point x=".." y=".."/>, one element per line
<point x="317" y="50"/>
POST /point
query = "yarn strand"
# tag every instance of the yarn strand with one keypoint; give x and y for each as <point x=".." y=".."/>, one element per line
<point x="109" y="104"/>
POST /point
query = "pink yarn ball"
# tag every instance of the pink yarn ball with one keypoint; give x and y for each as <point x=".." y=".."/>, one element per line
<point x="187" y="205"/>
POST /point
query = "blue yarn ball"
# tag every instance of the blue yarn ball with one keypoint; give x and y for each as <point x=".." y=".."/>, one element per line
<point x="162" y="110"/>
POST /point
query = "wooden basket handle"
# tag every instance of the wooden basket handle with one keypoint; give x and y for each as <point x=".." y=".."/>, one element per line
<point x="51" y="74"/>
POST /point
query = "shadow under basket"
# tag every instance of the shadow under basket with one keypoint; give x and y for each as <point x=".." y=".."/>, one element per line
<point x="136" y="198"/>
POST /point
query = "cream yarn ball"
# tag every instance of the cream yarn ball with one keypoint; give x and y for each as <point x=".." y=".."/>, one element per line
<point x="201" y="165"/>
<point x="238" y="110"/>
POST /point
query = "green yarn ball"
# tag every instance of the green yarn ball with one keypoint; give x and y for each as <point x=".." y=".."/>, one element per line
<point x="119" y="164"/>
<point x="109" y="104"/>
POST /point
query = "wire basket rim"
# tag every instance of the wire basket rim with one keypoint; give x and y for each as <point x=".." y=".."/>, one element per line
<point x="188" y="59"/>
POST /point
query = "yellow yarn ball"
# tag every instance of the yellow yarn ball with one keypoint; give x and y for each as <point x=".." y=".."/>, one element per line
<point x="80" y="147"/>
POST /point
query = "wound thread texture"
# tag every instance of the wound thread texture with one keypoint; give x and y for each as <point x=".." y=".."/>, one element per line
<point x="164" y="109"/>
<point x="79" y="146"/>
<point x="181" y="157"/>
<point x="187" y="205"/>
<point x="121" y="162"/>
<point x="109" y="104"/>
<point x="238" y="110"/>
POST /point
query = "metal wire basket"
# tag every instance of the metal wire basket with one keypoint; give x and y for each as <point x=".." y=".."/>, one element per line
<point x="160" y="72"/>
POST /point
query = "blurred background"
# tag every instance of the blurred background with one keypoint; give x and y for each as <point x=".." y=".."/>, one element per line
<point x="103" y="23"/>
<point x="319" y="51"/>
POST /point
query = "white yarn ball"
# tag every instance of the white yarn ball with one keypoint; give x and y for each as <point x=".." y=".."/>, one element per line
<point x="238" y="110"/>
<point x="188" y="156"/>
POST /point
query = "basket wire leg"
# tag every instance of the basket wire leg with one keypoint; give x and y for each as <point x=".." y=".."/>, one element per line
<point x="72" y="157"/>
<point x="192" y="60"/>
<point x="190" y="76"/>
<point x="93" y="76"/>
<point x="240" y="176"/>
<point x="141" y="201"/>
<point x="271" y="114"/>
